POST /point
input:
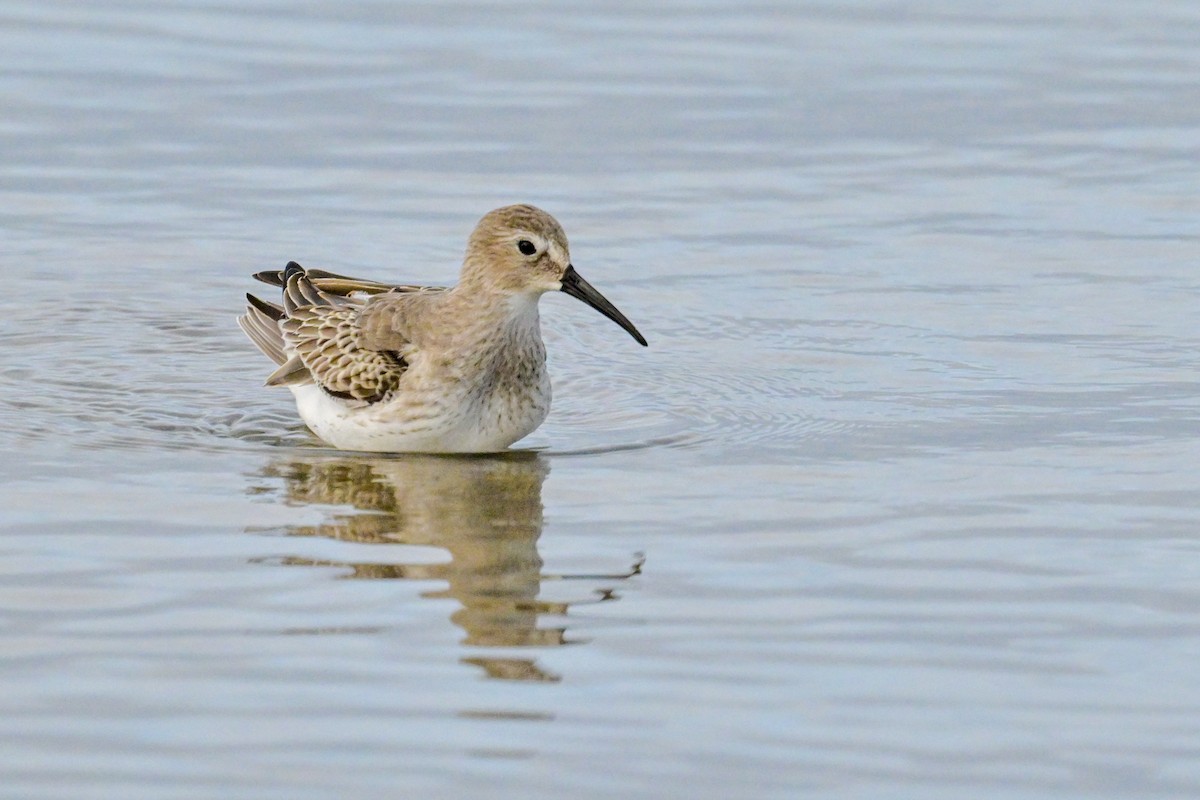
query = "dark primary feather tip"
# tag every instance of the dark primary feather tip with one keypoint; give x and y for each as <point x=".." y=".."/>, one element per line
<point x="270" y="309"/>
<point x="291" y="269"/>
<point x="272" y="276"/>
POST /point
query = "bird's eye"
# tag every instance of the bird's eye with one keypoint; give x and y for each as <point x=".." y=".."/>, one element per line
<point x="526" y="247"/>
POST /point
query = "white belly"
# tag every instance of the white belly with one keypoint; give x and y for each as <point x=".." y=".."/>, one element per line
<point x="454" y="425"/>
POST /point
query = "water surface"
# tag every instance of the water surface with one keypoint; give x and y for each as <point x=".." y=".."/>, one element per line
<point x="901" y="501"/>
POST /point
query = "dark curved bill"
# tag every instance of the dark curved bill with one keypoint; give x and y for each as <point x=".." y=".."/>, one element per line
<point x="577" y="287"/>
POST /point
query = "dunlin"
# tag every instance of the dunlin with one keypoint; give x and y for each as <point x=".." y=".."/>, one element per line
<point x="431" y="369"/>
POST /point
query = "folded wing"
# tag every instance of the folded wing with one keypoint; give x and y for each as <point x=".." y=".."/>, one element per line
<point x="315" y="335"/>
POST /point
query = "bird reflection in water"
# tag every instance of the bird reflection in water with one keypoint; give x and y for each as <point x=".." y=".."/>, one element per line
<point x="485" y="510"/>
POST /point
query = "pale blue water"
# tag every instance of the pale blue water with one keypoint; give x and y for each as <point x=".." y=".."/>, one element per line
<point x="901" y="502"/>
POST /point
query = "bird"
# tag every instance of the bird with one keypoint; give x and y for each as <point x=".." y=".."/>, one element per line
<point x="425" y="369"/>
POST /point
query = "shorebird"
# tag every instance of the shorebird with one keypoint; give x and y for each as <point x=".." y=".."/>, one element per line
<point x="433" y="369"/>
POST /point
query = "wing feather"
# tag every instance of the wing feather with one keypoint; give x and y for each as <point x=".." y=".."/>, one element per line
<point x="319" y="333"/>
<point x="323" y="332"/>
<point x="262" y="326"/>
<point x="335" y="284"/>
<point x="290" y="373"/>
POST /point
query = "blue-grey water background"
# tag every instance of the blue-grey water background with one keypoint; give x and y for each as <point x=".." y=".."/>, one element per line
<point x="901" y="502"/>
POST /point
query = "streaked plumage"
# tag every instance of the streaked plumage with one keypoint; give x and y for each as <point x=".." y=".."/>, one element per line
<point x="425" y="368"/>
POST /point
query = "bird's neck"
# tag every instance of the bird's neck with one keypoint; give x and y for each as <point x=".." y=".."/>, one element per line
<point x="496" y="316"/>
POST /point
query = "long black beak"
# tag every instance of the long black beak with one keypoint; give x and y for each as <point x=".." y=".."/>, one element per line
<point x="577" y="287"/>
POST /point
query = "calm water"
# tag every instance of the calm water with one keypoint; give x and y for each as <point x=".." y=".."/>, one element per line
<point x="901" y="502"/>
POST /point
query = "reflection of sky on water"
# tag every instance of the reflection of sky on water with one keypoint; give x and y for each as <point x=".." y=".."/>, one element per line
<point x="911" y="454"/>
